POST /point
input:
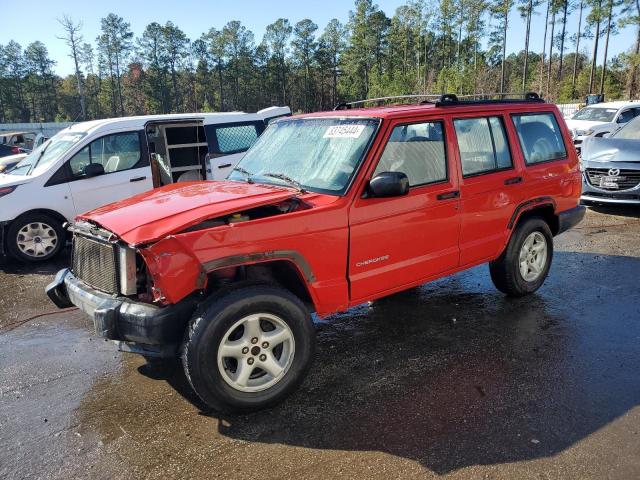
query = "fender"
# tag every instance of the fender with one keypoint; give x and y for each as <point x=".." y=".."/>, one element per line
<point x="293" y="257"/>
<point x="177" y="272"/>
<point x="523" y="208"/>
<point x="529" y="205"/>
<point x="236" y="260"/>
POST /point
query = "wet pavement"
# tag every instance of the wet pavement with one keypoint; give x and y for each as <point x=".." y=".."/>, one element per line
<point x="450" y="379"/>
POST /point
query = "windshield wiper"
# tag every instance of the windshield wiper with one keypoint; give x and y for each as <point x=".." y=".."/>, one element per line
<point x="245" y="172"/>
<point x="35" y="164"/>
<point x="287" y="179"/>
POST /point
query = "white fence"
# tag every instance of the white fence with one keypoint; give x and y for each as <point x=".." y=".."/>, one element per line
<point x="47" y="129"/>
<point x="568" y="109"/>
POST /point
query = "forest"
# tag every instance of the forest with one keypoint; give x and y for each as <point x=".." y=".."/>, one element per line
<point x="427" y="46"/>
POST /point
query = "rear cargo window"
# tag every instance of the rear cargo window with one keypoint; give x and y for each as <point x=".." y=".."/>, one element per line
<point x="418" y="151"/>
<point x="483" y="145"/>
<point x="540" y="137"/>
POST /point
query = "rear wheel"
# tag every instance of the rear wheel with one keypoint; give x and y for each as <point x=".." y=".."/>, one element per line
<point x="248" y="349"/>
<point x="524" y="265"/>
<point x="35" y="237"/>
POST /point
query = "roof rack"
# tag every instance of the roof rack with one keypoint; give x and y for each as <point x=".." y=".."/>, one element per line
<point x="381" y="100"/>
<point x="450" y="99"/>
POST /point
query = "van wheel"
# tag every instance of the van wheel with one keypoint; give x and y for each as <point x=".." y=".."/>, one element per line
<point x="524" y="265"/>
<point x="35" y="237"/>
<point x="249" y="348"/>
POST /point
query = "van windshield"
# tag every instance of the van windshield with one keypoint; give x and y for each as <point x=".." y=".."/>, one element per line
<point x="42" y="157"/>
<point x="317" y="154"/>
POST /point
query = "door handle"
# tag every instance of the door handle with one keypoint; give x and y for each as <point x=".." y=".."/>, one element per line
<point x="226" y="165"/>
<point x="448" y="195"/>
<point x="137" y="179"/>
<point x="513" y="180"/>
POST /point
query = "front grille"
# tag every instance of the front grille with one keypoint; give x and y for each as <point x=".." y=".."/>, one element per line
<point x="95" y="263"/>
<point x="626" y="178"/>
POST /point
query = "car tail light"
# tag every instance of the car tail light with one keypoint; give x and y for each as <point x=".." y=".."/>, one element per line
<point x="15" y="150"/>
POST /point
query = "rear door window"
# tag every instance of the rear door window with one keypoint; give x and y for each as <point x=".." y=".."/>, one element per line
<point x="483" y="145"/>
<point x="540" y="137"/>
<point x="233" y="138"/>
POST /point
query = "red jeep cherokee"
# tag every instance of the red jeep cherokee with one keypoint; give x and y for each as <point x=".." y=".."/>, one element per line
<point x="325" y="211"/>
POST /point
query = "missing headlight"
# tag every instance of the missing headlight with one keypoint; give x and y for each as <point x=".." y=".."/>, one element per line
<point x="127" y="266"/>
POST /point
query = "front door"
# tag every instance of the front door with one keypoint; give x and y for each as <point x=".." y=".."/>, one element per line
<point x="399" y="241"/>
<point x="126" y="171"/>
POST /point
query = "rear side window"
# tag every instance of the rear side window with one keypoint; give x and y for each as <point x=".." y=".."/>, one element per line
<point x="417" y="150"/>
<point x="483" y="145"/>
<point x="540" y="137"/>
<point x="234" y="138"/>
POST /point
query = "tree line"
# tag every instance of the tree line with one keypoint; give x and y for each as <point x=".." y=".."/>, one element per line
<point x="427" y="46"/>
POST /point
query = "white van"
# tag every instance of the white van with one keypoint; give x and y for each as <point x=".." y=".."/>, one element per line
<point x="94" y="163"/>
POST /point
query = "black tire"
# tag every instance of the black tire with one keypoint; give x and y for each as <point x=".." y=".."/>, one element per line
<point x="19" y="223"/>
<point x="505" y="271"/>
<point x="211" y="323"/>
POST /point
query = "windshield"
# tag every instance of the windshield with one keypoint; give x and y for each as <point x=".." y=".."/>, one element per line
<point x="41" y="158"/>
<point x="595" y="114"/>
<point x="631" y="131"/>
<point x="317" y="154"/>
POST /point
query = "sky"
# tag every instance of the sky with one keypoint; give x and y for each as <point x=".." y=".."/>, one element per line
<point x="37" y="20"/>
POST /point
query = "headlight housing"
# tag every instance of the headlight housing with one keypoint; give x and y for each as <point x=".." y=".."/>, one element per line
<point x="7" y="190"/>
<point x="127" y="264"/>
<point x="584" y="133"/>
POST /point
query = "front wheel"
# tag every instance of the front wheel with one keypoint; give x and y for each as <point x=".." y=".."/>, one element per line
<point x="248" y="349"/>
<point x="523" y="266"/>
<point x="35" y="237"/>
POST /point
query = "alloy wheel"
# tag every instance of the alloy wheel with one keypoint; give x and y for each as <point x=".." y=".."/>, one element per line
<point x="256" y="352"/>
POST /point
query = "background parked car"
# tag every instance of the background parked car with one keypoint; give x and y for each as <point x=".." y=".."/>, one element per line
<point x="611" y="166"/>
<point x="10" y="161"/>
<point x="94" y="163"/>
<point x="600" y="119"/>
<point x="20" y="144"/>
<point x="12" y="143"/>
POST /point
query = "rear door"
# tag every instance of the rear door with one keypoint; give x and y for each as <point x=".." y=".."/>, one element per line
<point x="126" y="165"/>
<point x="550" y="170"/>
<point x="491" y="185"/>
<point x="397" y="241"/>
<point x="227" y="144"/>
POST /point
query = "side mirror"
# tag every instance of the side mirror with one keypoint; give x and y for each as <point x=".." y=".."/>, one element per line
<point x="93" y="170"/>
<point x="389" y="184"/>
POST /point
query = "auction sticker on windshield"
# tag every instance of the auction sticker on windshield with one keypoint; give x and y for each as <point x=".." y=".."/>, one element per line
<point x="344" y="131"/>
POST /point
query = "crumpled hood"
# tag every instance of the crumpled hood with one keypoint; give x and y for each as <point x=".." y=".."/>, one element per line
<point x="152" y="215"/>
<point x="600" y="149"/>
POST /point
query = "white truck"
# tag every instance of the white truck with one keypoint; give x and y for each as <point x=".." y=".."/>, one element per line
<point x="600" y="119"/>
<point x="94" y="163"/>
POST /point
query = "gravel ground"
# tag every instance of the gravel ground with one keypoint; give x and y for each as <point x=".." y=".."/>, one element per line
<point x="451" y="379"/>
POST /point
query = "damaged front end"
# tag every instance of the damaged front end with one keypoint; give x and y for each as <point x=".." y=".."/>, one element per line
<point x="109" y="281"/>
<point x="143" y="295"/>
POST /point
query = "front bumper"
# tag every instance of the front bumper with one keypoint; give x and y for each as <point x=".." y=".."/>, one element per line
<point x="591" y="193"/>
<point x="120" y="318"/>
